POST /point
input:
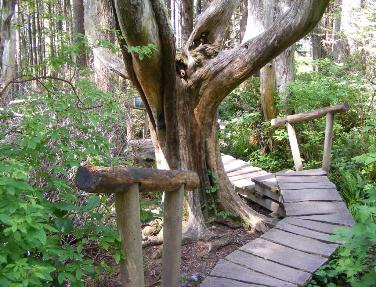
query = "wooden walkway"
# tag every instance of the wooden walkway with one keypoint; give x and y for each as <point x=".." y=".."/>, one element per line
<point x="289" y="253"/>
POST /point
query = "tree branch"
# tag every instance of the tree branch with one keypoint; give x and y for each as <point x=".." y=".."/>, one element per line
<point x="224" y="73"/>
<point x="211" y="27"/>
<point x="213" y="23"/>
<point x="111" y="61"/>
<point x="38" y="79"/>
<point x="139" y="27"/>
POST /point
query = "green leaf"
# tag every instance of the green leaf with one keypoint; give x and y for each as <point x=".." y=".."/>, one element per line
<point x="64" y="225"/>
<point x="117" y="257"/>
<point x="5" y="219"/>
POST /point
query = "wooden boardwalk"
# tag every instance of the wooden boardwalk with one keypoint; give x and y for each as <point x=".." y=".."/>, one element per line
<point x="289" y="253"/>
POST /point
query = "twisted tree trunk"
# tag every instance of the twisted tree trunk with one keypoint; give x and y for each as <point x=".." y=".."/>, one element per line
<point x="182" y="107"/>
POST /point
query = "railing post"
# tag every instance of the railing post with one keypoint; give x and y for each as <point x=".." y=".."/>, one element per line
<point x="328" y="141"/>
<point x="172" y="236"/>
<point x="294" y="147"/>
<point x="129" y="226"/>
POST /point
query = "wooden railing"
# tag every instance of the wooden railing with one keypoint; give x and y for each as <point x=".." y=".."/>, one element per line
<point x="126" y="183"/>
<point x="315" y="114"/>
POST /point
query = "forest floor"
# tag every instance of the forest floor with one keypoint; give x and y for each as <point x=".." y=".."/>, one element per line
<point x="198" y="258"/>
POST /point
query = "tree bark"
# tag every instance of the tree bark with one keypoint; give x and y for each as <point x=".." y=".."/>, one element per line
<point x="277" y="74"/>
<point x="98" y="24"/>
<point x="8" y="68"/>
<point x="186" y="19"/>
<point x="182" y="111"/>
<point x="79" y="30"/>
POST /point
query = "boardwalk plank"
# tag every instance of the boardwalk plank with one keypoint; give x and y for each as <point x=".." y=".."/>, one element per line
<point x="245" y="170"/>
<point x="269" y="268"/>
<point x="316" y="185"/>
<point x="299" y="242"/>
<point x="263" y="201"/>
<point x="296" y="195"/>
<point x="314" y="207"/>
<point x="268" y="181"/>
<point x="224" y="282"/>
<point x="308" y="172"/>
<point x="244" y="176"/>
<point x="235" y="165"/>
<point x="275" y="195"/>
<point x="284" y="255"/>
<point x="227" y="158"/>
<point x="302" y="179"/>
<point x="343" y="218"/>
<point x="243" y="182"/>
<point x="283" y="225"/>
<point x="313" y="225"/>
<point x="234" y="271"/>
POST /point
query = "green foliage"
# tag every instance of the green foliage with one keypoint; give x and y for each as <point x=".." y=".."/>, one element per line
<point x="45" y="224"/>
<point x="331" y="85"/>
<point x="355" y="175"/>
<point x="143" y="51"/>
<point x="212" y="199"/>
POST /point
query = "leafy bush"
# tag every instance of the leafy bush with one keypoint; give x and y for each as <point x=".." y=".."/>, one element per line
<point x="46" y="226"/>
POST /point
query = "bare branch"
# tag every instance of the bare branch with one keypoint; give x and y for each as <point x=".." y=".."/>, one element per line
<point x="79" y="103"/>
<point x="225" y="72"/>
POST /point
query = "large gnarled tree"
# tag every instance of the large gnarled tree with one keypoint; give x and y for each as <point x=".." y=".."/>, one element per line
<point x="182" y="107"/>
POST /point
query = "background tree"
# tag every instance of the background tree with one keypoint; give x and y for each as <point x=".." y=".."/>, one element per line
<point x="8" y="67"/>
<point x="79" y="30"/>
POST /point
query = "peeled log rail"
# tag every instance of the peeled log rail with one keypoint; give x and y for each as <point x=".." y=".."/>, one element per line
<point x="126" y="183"/>
<point x="118" y="179"/>
<point x="315" y="114"/>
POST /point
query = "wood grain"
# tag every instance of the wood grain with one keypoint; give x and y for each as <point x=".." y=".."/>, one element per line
<point x="118" y="179"/>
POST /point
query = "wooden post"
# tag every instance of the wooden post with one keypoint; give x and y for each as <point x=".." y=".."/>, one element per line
<point x="129" y="226"/>
<point x="294" y="147"/>
<point x="328" y="141"/>
<point x="172" y="236"/>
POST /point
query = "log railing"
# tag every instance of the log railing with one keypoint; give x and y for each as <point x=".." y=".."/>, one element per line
<point x="315" y="114"/>
<point x="126" y="183"/>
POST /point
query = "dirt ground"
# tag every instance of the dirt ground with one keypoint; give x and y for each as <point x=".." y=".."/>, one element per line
<point x="198" y="258"/>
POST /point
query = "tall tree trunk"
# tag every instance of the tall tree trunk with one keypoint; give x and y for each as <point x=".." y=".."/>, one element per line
<point x="186" y="19"/>
<point x="276" y="75"/>
<point x="8" y="67"/>
<point x="79" y="31"/>
<point x="346" y="44"/>
<point x="99" y="22"/>
<point x="182" y="111"/>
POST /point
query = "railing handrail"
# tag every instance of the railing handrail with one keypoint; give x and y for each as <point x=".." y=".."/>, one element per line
<point x="314" y="114"/>
<point x="126" y="183"/>
<point x="96" y="179"/>
<point x="310" y="115"/>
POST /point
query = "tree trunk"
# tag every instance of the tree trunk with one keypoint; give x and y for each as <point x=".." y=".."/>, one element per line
<point x="182" y="110"/>
<point x="79" y="30"/>
<point x="98" y="24"/>
<point x="276" y="75"/>
<point x="347" y="44"/>
<point x="186" y="19"/>
<point x="8" y="68"/>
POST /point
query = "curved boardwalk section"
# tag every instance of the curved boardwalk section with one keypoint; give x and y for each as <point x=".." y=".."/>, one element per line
<point x="289" y="253"/>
